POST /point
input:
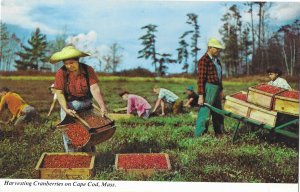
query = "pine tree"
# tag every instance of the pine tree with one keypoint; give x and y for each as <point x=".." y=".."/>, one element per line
<point x="148" y="41"/>
<point x="230" y="33"/>
<point x="183" y="54"/>
<point x="193" y="20"/>
<point x="4" y="35"/>
<point x="246" y="43"/>
<point x="34" y="55"/>
<point x="165" y="58"/>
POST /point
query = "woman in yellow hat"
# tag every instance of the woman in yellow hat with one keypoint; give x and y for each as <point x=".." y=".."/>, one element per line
<point x="76" y="85"/>
<point x="210" y="88"/>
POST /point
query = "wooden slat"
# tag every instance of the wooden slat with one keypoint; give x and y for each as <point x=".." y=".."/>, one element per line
<point x="260" y="99"/>
<point x="253" y="89"/>
<point x="237" y="108"/>
<point x="286" y="98"/>
<point x="118" y="116"/>
<point x="286" y="106"/>
<point x="263" y="116"/>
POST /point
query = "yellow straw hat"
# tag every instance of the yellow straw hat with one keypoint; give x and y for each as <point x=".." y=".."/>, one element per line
<point x="215" y="43"/>
<point x="68" y="52"/>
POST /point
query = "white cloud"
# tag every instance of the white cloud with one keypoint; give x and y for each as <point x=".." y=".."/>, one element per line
<point x="87" y="42"/>
<point x="17" y="12"/>
<point x="285" y="11"/>
<point x="83" y="41"/>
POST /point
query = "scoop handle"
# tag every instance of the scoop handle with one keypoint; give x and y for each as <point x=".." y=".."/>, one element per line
<point x="82" y="120"/>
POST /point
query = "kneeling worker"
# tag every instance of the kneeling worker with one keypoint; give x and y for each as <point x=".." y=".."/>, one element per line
<point x="167" y="96"/>
<point x="136" y="103"/>
<point x="21" y="111"/>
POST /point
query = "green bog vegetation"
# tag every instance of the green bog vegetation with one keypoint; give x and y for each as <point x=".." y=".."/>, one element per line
<point x="254" y="158"/>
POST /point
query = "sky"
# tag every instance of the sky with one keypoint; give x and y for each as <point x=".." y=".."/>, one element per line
<point x="98" y="24"/>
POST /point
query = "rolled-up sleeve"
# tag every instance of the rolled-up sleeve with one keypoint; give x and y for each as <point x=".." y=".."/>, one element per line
<point x="59" y="80"/>
<point x="93" y="79"/>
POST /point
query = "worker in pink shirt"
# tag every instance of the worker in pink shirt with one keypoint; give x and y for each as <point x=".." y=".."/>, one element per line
<point x="136" y="104"/>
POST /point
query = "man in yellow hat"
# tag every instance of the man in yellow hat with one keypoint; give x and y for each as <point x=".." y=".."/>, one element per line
<point x="76" y="85"/>
<point x="210" y="89"/>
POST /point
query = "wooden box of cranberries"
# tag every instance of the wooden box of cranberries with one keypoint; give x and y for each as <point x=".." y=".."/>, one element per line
<point x="237" y="104"/>
<point x="263" y="95"/>
<point x="65" y="166"/>
<point x="142" y="163"/>
<point x="287" y="102"/>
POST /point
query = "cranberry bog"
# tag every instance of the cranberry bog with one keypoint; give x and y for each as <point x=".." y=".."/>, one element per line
<point x="142" y="163"/>
<point x="256" y="157"/>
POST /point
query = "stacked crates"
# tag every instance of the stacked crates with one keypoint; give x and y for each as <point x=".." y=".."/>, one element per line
<point x="262" y="103"/>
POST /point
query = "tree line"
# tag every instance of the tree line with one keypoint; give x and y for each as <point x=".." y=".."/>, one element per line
<point x="35" y="54"/>
<point x="250" y="48"/>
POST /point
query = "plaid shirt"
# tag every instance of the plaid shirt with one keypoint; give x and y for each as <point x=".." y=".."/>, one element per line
<point x="207" y="72"/>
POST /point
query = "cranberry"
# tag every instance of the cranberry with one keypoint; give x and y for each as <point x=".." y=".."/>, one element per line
<point x="240" y="96"/>
<point x="66" y="161"/>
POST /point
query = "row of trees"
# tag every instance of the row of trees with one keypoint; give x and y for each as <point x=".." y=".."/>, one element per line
<point x="160" y="60"/>
<point x="251" y="48"/>
<point x="34" y="55"/>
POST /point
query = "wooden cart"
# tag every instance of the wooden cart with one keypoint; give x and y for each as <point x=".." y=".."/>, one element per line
<point x="278" y="127"/>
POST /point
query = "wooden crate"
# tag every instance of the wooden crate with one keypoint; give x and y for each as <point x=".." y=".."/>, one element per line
<point x="144" y="172"/>
<point x="65" y="173"/>
<point x="286" y="105"/>
<point x="118" y="116"/>
<point x="261" y="98"/>
<point x="263" y="115"/>
<point x="237" y="106"/>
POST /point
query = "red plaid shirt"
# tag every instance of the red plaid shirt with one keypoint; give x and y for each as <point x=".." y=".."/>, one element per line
<point x="207" y="72"/>
<point x="77" y="83"/>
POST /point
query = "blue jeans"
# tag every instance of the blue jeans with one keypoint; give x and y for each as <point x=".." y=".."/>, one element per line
<point x="75" y="105"/>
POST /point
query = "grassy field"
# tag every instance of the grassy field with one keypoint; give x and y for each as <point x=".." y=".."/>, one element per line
<point x="254" y="158"/>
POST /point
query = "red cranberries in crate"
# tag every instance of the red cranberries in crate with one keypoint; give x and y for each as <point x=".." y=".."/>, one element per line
<point x="67" y="161"/>
<point x="240" y="96"/>
<point x="142" y="161"/>
<point x="290" y="94"/>
<point x="268" y="88"/>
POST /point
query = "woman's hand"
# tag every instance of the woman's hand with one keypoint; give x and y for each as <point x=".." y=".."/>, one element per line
<point x="70" y="112"/>
<point x="104" y="112"/>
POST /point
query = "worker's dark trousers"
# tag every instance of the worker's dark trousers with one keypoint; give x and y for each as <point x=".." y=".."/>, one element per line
<point x="212" y="97"/>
